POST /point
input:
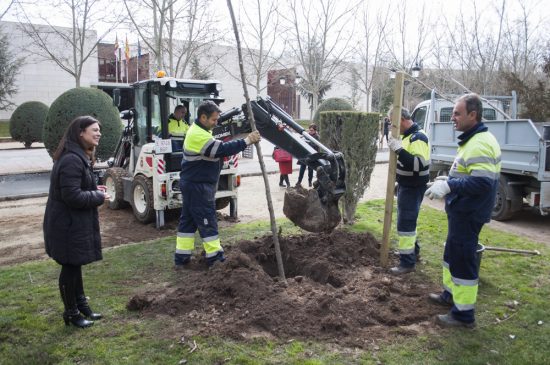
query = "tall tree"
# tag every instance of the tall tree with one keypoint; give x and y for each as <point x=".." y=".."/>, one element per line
<point x="68" y="47"/>
<point x="174" y="31"/>
<point x="370" y="50"/>
<point x="9" y="66"/>
<point x="319" y="37"/>
<point x="261" y="34"/>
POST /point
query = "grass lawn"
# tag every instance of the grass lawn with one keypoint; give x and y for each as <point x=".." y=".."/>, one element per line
<point x="4" y="129"/>
<point x="513" y="310"/>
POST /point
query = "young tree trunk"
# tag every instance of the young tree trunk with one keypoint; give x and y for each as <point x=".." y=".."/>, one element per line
<point x="258" y="150"/>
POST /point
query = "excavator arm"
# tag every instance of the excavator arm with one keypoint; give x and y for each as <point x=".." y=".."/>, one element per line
<point x="316" y="209"/>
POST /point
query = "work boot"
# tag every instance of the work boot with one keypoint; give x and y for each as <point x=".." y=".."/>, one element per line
<point x="447" y="321"/>
<point x="84" y="308"/>
<point x="298" y="184"/>
<point x="212" y="260"/>
<point x="282" y="185"/>
<point x="400" y="270"/>
<point x="438" y="299"/>
<point x="181" y="260"/>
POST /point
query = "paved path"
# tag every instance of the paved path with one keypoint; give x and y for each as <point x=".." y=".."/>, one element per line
<point x="26" y="172"/>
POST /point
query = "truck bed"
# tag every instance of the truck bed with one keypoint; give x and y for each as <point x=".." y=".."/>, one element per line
<point x="524" y="152"/>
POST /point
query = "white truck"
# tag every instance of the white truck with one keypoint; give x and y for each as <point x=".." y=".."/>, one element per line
<point x="525" y="146"/>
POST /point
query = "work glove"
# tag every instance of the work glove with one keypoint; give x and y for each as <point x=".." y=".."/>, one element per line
<point x="394" y="144"/>
<point x="253" y="137"/>
<point x="439" y="188"/>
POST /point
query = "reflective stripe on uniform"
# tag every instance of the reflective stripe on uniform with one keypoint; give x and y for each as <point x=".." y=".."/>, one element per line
<point x="406" y="242"/>
<point x="185" y="243"/>
<point x="212" y="246"/>
<point x="475" y="158"/>
<point x="464" y="293"/>
<point x="447" y="281"/>
<point x="411" y="173"/>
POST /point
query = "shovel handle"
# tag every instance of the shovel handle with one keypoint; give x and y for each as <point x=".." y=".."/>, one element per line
<point x="530" y="252"/>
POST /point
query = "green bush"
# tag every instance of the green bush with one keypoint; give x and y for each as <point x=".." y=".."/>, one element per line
<point x="331" y="104"/>
<point x="27" y="121"/>
<point x="354" y="134"/>
<point x="83" y="101"/>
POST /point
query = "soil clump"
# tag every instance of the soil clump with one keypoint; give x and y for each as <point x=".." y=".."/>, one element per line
<point x="304" y="208"/>
<point x="335" y="292"/>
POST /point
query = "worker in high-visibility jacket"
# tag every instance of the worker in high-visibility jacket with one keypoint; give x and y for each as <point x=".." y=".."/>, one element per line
<point x="200" y="172"/>
<point x="177" y="127"/>
<point x="469" y="192"/>
<point x="413" y="165"/>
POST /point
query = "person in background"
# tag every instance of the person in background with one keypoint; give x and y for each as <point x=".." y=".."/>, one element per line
<point x="387" y="126"/>
<point x="285" y="165"/>
<point x="200" y="172"/>
<point x="178" y="127"/>
<point x="413" y="172"/>
<point x="312" y="130"/>
<point x="469" y="193"/>
<point x="71" y="222"/>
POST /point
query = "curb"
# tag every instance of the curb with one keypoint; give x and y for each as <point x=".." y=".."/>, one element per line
<point x="21" y="197"/>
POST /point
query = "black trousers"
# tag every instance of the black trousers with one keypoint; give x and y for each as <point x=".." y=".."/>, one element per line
<point x="71" y="286"/>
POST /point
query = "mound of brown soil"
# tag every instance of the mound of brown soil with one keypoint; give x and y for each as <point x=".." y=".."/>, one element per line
<point x="335" y="292"/>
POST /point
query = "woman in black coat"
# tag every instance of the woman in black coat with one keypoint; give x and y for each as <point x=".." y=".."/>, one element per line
<point x="71" y="223"/>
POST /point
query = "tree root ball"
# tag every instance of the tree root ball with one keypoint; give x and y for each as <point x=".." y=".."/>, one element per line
<point x="304" y="208"/>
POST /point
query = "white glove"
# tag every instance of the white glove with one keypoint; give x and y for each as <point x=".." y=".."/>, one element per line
<point x="253" y="137"/>
<point x="442" y="177"/>
<point x="394" y="144"/>
<point x="438" y="190"/>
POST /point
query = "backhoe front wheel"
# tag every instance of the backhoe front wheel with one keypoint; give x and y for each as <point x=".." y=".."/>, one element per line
<point x="142" y="199"/>
<point x="113" y="182"/>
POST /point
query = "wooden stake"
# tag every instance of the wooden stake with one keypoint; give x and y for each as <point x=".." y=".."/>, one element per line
<point x="395" y="121"/>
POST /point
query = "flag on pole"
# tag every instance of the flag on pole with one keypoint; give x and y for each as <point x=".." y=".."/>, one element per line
<point x="127" y="54"/>
<point x="127" y="50"/>
<point x="116" y="46"/>
<point x="116" y="59"/>
<point x="137" y="61"/>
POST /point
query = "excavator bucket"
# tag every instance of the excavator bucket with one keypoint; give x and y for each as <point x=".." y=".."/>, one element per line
<point x="314" y="210"/>
<point x="304" y="208"/>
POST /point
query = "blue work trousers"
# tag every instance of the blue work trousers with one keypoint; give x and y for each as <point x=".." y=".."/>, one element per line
<point x="198" y="209"/>
<point x="461" y="257"/>
<point x="409" y="199"/>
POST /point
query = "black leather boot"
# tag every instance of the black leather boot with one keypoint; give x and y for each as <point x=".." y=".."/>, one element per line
<point x="84" y="308"/>
<point x="76" y="319"/>
<point x="71" y="314"/>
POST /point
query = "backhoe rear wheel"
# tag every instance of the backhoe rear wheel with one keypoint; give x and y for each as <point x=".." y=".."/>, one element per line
<point x="113" y="182"/>
<point x="142" y="199"/>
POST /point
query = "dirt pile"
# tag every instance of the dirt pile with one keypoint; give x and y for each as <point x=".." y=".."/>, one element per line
<point x="335" y="292"/>
<point x="304" y="208"/>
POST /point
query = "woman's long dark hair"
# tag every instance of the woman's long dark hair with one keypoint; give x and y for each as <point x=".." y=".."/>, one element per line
<point x="72" y="133"/>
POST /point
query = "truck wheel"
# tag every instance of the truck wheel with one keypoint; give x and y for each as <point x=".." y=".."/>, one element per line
<point x="113" y="182"/>
<point x="503" y="206"/>
<point x="142" y="199"/>
<point x="222" y="203"/>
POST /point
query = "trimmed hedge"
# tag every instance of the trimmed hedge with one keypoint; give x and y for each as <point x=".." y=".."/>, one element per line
<point x="27" y="121"/>
<point x="354" y="134"/>
<point x="331" y="104"/>
<point x="83" y="101"/>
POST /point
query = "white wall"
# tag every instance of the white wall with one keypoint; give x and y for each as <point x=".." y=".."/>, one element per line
<point x="40" y="79"/>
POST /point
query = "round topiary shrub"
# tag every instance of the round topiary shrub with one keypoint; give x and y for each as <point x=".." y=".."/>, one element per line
<point x="331" y="104"/>
<point x="83" y="101"/>
<point x="27" y="121"/>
